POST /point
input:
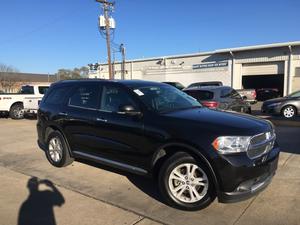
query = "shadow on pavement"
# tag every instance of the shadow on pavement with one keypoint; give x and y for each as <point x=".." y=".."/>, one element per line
<point x="288" y="139"/>
<point x="38" y="207"/>
<point x="145" y="184"/>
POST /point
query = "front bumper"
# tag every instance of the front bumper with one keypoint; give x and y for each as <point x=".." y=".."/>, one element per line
<point x="249" y="188"/>
<point x="241" y="178"/>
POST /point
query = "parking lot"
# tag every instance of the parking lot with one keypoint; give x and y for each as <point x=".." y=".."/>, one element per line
<point x="90" y="194"/>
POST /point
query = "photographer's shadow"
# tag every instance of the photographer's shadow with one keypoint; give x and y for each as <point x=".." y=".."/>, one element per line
<point x="38" y="207"/>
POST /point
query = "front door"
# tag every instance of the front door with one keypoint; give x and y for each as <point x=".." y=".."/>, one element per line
<point x="120" y="137"/>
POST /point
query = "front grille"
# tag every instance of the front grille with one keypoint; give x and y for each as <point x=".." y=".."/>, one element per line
<point x="261" y="144"/>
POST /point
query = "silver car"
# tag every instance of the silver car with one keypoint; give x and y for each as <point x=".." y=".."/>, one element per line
<point x="288" y="106"/>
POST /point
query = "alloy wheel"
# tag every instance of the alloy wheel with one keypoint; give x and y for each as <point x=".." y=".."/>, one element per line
<point x="188" y="183"/>
<point x="289" y="112"/>
<point x="55" y="149"/>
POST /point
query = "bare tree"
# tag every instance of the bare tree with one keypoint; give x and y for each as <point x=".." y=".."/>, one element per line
<point x="76" y="73"/>
<point x="7" y="81"/>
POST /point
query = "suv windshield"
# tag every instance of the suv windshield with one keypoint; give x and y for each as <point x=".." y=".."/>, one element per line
<point x="164" y="99"/>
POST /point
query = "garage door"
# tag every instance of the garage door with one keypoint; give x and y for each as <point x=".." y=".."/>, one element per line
<point x="263" y="68"/>
<point x="263" y="75"/>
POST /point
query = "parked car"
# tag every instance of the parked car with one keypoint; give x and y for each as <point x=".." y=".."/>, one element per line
<point x="219" y="97"/>
<point x="264" y="94"/>
<point x="288" y="106"/>
<point x="13" y="104"/>
<point x="204" y="84"/>
<point x="31" y="103"/>
<point x="175" y="84"/>
<point x="248" y="95"/>
<point x="154" y="129"/>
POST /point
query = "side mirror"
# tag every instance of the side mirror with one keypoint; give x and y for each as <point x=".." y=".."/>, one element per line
<point x="129" y="110"/>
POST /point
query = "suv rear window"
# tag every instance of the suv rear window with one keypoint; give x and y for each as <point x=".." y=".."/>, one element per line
<point x="200" y="95"/>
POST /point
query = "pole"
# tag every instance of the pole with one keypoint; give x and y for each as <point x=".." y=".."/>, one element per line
<point x="123" y="60"/>
<point x="107" y="27"/>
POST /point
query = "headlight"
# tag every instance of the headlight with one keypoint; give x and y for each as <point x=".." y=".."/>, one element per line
<point x="274" y="104"/>
<point x="231" y="144"/>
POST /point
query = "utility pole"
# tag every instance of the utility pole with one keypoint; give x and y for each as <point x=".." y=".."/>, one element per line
<point x="106" y="8"/>
<point x="122" y="49"/>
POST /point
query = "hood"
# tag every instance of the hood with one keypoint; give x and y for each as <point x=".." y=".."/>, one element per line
<point x="275" y="100"/>
<point x="224" y="122"/>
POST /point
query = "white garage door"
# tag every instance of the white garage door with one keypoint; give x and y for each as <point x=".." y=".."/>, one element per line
<point x="263" y="68"/>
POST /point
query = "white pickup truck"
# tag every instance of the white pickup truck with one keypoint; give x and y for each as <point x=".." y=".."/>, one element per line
<point x="26" y="101"/>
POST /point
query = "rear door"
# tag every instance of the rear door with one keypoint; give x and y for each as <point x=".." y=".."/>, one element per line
<point x="77" y="116"/>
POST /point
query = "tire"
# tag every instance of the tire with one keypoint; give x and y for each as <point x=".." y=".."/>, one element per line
<point x="289" y="111"/>
<point x="57" y="151"/>
<point x="16" y="112"/>
<point x="168" y="186"/>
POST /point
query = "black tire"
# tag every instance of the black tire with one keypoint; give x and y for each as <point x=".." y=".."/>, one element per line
<point x="16" y="112"/>
<point x="290" y="109"/>
<point x="65" y="158"/>
<point x="163" y="182"/>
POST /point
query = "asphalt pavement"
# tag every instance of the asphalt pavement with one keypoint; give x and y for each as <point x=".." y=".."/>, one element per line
<point x="92" y="194"/>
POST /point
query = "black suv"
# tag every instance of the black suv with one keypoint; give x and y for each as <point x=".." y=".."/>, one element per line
<point x="154" y="129"/>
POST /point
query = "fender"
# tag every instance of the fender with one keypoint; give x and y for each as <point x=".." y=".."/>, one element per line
<point x="161" y="152"/>
<point x="56" y="128"/>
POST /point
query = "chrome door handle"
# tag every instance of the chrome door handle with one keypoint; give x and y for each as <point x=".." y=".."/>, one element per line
<point x="101" y="120"/>
<point x="63" y="114"/>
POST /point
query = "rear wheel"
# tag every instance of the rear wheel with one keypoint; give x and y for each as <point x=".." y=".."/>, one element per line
<point x="57" y="151"/>
<point x="185" y="183"/>
<point x="17" y="111"/>
<point x="289" y="111"/>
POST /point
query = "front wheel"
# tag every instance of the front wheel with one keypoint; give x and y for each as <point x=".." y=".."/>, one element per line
<point x="289" y="112"/>
<point x="185" y="183"/>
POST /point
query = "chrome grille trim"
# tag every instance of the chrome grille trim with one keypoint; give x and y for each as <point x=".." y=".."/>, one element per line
<point x="261" y="144"/>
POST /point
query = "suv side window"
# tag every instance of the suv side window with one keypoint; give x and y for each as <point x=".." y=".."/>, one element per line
<point x="114" y="97"/>
<point x="85" y="96"/>
<point x="56" y="95"/>
<point x="225" y="93"/>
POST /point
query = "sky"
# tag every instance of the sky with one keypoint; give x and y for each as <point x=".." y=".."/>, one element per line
<point x="43" y="36"/>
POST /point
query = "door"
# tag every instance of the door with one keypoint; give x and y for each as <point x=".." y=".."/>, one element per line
<point x="77" y="116"/>
<point x="119" y="137"/>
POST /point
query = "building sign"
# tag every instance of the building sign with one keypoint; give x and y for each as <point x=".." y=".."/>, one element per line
<point x="209" y="65"/>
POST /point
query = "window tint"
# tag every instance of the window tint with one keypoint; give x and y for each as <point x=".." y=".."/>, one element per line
<point x="27" y="90"/>
<point x="56" y="95"/>
<point x="85" y="96"/>
<point x="164" y="99"/>
<point x="115" y="97"/>
<point x="201" y="95"/>
<point x="43" y="89"/>
<point x="225" y="93"/>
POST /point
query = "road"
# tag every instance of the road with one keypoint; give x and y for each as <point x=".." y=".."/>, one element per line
<point x="90" y="194"/>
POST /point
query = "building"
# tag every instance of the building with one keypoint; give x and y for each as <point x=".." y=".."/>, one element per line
<point x="11" y="82"/>
<point x="261" y="66"/>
